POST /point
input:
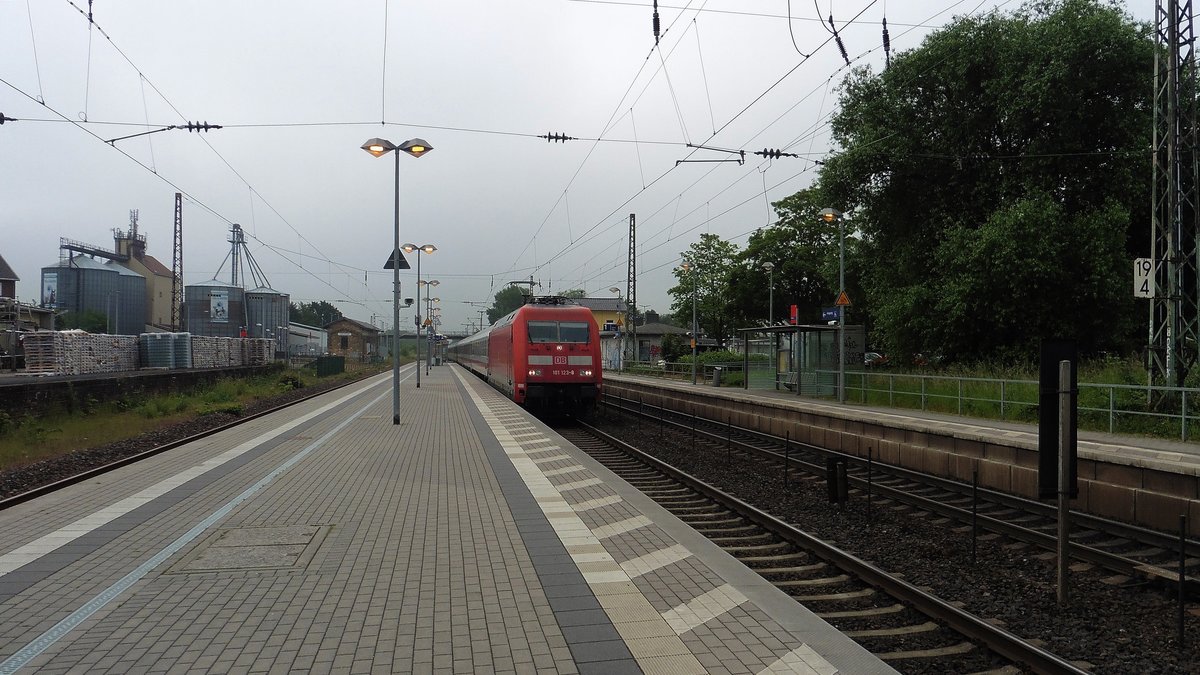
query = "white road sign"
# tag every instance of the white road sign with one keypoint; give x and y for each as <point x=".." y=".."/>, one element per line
<point x="1143" y="278"/>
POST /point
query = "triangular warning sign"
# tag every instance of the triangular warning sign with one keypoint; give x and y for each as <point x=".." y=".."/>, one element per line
<point x="843" y="300"/>
<point x="392" y="261"/>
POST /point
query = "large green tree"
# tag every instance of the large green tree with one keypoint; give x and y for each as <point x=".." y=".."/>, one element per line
<point x="316" y="313"/>
<point x="998" y="175"/>
<point x="507" y="300"/>
<point x="711" y="262"/>
<point x="803" y="249"/>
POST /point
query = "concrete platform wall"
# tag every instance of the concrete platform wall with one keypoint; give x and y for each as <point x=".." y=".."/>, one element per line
<point x="1150" y="494"/>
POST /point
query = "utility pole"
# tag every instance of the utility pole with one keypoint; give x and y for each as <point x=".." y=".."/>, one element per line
<point x="631" y="291"/>
<point x="1174" y="313"/>
<point x="177" y="267"/>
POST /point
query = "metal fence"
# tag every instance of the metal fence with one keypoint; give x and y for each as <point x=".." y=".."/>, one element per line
<point x="1169" y="412"/>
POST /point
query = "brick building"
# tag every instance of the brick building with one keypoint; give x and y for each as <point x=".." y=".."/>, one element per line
<point x="352" y="339"/>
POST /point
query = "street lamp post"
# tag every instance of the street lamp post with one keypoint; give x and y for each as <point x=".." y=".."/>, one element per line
<point x="429" y="309"/>
<point x="380" y="147"/>
<point x="688" y="267"/>
<point x="427" y="248"/>
<point x="830" y="215"/>
<point x="621" y="333"/>
<point x="770" y="268"/>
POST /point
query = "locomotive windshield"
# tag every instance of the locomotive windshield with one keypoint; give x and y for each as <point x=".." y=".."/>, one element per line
<point x="573" y="331"/>
<point x="555" y="331"/>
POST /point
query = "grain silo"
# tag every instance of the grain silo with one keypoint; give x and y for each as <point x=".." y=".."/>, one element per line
<point x="78" y="286"/>
<point x="214" y="308"/>
<point x="127" y="311"/>
<point x="267" y="315"/>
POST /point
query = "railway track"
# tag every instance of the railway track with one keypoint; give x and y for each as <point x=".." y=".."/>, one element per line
<point x="92" y="472"/>
<point x="1131" y="553"/>
<point x="903" y="624"/>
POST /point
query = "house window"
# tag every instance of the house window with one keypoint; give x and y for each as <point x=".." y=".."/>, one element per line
<point x="345" y="341"/>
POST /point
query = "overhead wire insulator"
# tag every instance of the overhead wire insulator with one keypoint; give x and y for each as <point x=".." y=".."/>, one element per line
<point x="838" y="38"/>
<point x="4" y="119"/>
<point x="657" y="26"/>
<point x="774" y="153"/>
<point x="887" y="45"/>
<point x="558" y="138"/>
<point x="201" y="126"/>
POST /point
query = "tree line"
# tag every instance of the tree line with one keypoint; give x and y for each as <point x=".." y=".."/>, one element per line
<point x="995" y="183"/>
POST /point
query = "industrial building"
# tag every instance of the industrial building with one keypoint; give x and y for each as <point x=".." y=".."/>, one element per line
<point x="132" y="290"/>
<point x="131" y="246"/>
<point x="79" y="285"/>
<point x="227" y="309"/>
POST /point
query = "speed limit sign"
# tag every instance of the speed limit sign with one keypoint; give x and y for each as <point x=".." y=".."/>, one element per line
<point x="1143" y="278"/>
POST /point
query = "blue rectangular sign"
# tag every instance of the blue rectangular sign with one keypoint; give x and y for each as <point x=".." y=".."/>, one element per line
<point x="829" y="313"/>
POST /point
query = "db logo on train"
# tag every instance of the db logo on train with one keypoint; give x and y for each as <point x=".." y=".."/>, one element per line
<point x="560" y="360"/>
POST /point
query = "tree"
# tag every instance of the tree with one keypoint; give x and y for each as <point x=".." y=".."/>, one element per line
<point x="88" y="320"/>
<point x="316" y="313"/>
<point x="712" y="262"/>
<point x="574" y="293"/>
<point x="507" y="300"/>
<point x="804" y="250"/>
<point x="673" y="348"/>
<point x="1033" y="124"/>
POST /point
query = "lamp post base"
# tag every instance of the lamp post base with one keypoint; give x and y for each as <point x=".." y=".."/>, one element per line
<point x="395" y="419"/>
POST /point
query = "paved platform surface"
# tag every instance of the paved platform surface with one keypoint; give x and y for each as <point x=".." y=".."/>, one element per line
<point x="323" y="538"/>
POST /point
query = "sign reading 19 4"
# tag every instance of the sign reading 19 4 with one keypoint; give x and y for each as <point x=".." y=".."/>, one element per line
<point x="1143" y="277"/>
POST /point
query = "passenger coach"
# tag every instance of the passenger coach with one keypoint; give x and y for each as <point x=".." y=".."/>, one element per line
<point x="546" y="354"/>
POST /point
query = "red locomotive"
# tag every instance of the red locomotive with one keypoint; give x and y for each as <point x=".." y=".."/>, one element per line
<point x="546" y="354"/>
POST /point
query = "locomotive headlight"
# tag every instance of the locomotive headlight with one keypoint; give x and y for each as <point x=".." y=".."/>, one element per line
<point x="535" y="372"/>
<point x="586" y="373"/>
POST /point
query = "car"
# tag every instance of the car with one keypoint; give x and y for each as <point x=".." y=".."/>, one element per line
<point x="874" y="360"/>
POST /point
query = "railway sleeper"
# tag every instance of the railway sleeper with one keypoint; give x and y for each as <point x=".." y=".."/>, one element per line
<point x="912" y="629"/>
<point x="809" y="583"/>
<point x="846" y="596"/>
<point x="866" y="613"/>
<point x="761" y="548"/>
<point x="770" y="559"/>
<point x="935" y="653"/>
<point x="799" y="569"/>
<point x="727" y="532"/>
<point x="708" y="508"/>
<point x="744" y="540"/>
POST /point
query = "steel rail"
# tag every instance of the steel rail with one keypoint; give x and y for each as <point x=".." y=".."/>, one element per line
<point x="997" y="639"/>
<point x="1112" y="561"/>
<point x="42" y="490"/>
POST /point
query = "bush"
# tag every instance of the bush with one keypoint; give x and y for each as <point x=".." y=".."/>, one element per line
<point x="290" y="381"/>
<point x="733" y="379"/>
<point x="214" y="408"/>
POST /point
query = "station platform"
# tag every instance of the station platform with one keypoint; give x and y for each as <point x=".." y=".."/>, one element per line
<point x="1135" y="479"/>
<point x="323" y="538"/>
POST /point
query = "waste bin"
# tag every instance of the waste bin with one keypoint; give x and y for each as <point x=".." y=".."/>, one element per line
<point x="716" y="376"/>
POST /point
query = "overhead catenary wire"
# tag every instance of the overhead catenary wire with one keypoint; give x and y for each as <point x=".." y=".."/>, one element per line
<point x="913" y="27"/>
<point x="98" y="28"/>
<point x="636" y="141"/>
<point x="37" y="67"/>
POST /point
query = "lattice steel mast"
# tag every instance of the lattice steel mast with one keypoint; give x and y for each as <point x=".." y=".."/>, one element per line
<point x="631" y="289"/>
<point x="177" y="265"/>
<point x="1174" y="319"/>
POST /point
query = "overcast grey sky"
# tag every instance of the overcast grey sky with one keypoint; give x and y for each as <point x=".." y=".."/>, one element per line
<point x="300" y="85"/>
